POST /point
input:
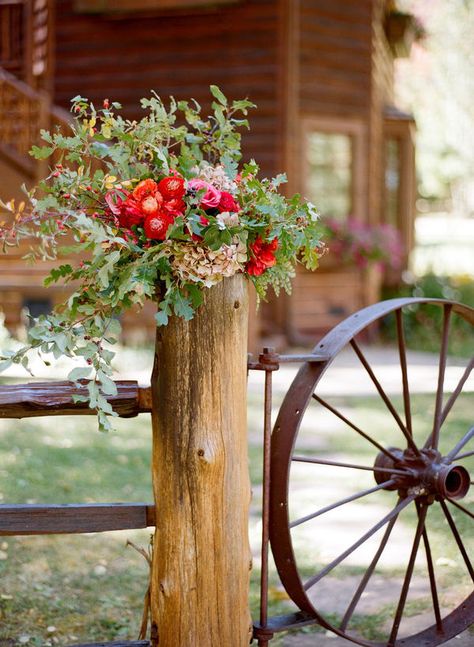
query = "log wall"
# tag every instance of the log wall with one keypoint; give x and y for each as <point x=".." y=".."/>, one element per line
<point x="177" y="53"/>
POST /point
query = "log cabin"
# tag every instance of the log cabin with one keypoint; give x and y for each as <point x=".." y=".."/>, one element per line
<point x="320" y="71"/>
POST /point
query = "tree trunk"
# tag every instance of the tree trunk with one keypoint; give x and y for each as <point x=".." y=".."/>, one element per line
<point x="201" y="556"/>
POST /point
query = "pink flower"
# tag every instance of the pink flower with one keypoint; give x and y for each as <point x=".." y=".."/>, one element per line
<point x="211" y="198"/>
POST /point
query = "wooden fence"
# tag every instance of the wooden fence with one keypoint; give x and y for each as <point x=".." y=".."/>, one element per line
<point x="53" y="399"/>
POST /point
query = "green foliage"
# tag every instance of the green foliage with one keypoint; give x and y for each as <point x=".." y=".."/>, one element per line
<point x="80" y="209"/>
<point x="423" y="324"/>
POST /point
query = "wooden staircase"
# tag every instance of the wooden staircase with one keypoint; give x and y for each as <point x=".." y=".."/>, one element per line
<point x="26" y="69"/>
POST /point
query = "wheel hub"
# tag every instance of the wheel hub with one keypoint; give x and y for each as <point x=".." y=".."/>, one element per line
<point x="428" y="474"/>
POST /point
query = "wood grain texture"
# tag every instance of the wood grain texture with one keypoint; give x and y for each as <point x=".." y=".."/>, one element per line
<point x="70" y="518"/>
<point x="200" y="573"/>
<point x="56" y="399"/>
<point x="120" y="643"/>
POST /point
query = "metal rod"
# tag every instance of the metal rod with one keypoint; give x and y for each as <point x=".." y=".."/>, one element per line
<point x="465" y="455"/>
<point x="455" y="451"/>
<point x="454" y="395"/>
<point x="458" y="539"/>
<point x="403" y="366"/>
<point x="461" y="507"/>
<point x="348" y="499"/>
<point x="368" y="574"/>
<point x="431" y="574"/>
<point x="393" y="513"/>
<point x="384" y="397"/>
<point x="408" y="576"/>
<point x="267" y="422"/>
<point x="441" y="373"/>
<point x="337" y="413"/>
<point x="321" y="461"/>
<point x="310" y="357"/>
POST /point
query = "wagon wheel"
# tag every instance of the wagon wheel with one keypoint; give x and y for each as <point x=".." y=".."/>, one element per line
<point x="394" y="487"/>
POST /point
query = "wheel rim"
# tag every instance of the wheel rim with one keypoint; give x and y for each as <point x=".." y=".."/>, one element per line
<point x="421" y="476"/>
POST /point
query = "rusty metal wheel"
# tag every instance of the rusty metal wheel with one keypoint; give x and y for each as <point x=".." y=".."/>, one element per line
<point x="387" y="517"/>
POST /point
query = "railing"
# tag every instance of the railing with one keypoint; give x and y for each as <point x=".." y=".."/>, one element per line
<point x="56" y="398"/>
<point x="23" y="113"/>
<point x="53" y="399"/>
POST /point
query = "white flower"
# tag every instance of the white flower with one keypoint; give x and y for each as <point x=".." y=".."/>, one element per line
<point x="227" y="219"/>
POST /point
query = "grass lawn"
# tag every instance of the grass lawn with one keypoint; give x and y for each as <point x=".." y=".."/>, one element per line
<point x="65" y="589"/>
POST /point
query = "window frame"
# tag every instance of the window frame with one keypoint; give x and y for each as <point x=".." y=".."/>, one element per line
<point x="357" y="131"/>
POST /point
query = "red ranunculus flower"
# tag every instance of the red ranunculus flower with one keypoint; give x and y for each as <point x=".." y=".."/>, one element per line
<point x="228" y="203"/>
<point x="174" y="207"/>
<point x="172" y="188"/>
<point x="130" y="213"/>
<point x="262" y="256"/>
<point x="144" y="189"/>
<point x="157" y="225"/>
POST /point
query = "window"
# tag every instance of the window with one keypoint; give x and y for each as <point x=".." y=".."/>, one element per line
<point x="392" y="181"/>
<point x="333" y="167"/>
<point x="37" y="307"/>
<point x="329" y="174"/>
<point x="399" y="187"/>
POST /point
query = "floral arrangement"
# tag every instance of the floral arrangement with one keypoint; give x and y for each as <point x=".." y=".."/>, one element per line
<point x="159" y="208"/>
<point x="355" y="241"/>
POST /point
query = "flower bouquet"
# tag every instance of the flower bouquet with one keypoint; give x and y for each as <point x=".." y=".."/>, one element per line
<point x="159" y="208"/>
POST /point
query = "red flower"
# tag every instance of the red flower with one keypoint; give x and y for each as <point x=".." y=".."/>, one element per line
<point x="228" y="202"/>
<point x="150" y="205"/>
<point x="171" y="188"/>
<point x="175" y="207"/>
<point x="157" y="225"/>
<point x="144" y="189"/>
<point x="130" y="213"/>
<point x="262" y="256"/>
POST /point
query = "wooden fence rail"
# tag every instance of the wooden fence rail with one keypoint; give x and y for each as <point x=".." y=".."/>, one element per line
<point x="72" y="518"/>
<point x="56" y="399"/>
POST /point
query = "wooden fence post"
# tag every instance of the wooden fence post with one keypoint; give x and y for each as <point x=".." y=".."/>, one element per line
<point x="201" y="556"/>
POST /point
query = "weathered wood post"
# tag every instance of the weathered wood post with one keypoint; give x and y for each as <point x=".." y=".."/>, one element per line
<point x="201" y="557"/>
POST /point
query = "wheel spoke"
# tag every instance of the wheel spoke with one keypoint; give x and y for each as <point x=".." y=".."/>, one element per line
<point x="465" y="455"/>
<point x="441" y="373"/>
<point x="342" y="417"/>
<point x="348" y="499"/>
<point x="454" y="395"/>
<point x="461" y="507"/>
<point x="408" y="576"/>
<point x="403" y="365"/>
<point x="393" y="513"/>
<point x="455" y="451"/>
<point x="384" y="397"/>
<point x="323" y="461"/>
<point x="431" y="574"/>
<point x="367" y="575"/>
<point x="458" y="539"/>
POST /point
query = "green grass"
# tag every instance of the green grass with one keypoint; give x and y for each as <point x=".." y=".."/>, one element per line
<point x="65" y="589"/>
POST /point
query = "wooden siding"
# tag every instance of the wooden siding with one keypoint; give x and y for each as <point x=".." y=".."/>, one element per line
<point x="335" y="57"/>
<point x="381" y="95"/>
<point x="323" y="299"/>
<point x="174" y="53"/>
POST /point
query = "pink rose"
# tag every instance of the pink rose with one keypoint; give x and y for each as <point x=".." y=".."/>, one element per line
<point x="211" y="198"/>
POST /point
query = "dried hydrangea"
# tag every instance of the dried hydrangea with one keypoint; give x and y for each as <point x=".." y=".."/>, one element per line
<point x="217" y="176"/>
<point x="199" y="264"/>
